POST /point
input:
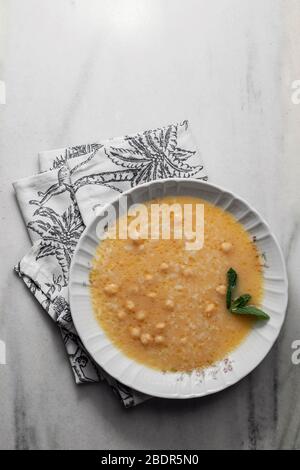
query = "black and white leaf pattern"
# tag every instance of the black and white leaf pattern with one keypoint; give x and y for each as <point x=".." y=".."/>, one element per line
<point x="144" y="157"/>
<point x="74" y="152"/>
<point x="154" y="155"/>
<point x="47" y="249"/>
<point x="105" y="178"/>
<point x="39" y="226"/>
<point x="59" y="235"/>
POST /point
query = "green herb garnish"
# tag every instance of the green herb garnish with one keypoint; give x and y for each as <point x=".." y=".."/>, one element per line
<point x="231" y="283"/>
<point x="251" y="310"/>
<point x="239" y="305"/>
<point x="241" y="301"/>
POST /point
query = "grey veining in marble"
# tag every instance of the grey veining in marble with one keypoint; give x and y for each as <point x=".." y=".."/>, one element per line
<point x="77" y="70"/>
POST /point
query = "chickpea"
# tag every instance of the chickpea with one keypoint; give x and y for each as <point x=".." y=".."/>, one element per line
<point x="188" y="272"/>
<point x="135" y="332"/>
<point x="140" y="315"/>
<point x="226" y="247"/>
<point x="221" y="289"/>
<point x="183" y="340"/>
<point x="148" y="277"/>
<point x="164" y="267"/>
<point x="152" y="295"/>
<point x="121" y="314"/>
<point x="146" y="338"/>
<point x="130" y="305"/>
<point x="169" y="304"/>
<point x="179" y="287"/>
<point x="210" y="308"/>
<point x="160" y="326"/>
<point x="111" y="289"/>
<point x="112" y="307"/>
<point x="128" y="247"/>
<point x="159" y="339"/>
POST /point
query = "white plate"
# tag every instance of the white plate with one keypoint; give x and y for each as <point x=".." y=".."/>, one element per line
<point x="238" y="363"/>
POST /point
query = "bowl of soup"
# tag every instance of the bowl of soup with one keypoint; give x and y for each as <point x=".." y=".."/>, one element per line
<point x="149" y="288"/>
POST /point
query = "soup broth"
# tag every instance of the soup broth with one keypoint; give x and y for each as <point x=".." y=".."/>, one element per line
<point x="164" y="306"/>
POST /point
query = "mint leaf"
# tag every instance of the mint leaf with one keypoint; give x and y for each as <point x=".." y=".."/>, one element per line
<point x="251" y="310"/>
<point x="231" y="283"/>
<point x="241" y="301"/>
<point x="239" y="306"/>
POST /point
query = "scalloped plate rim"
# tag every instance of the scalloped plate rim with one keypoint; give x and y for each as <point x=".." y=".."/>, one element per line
<point x="236" y="378"/>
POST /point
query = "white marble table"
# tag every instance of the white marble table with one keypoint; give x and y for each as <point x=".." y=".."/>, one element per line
<point x="76" y="71"/>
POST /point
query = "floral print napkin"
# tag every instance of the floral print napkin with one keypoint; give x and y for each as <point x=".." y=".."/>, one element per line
<point x="57" y="203"/>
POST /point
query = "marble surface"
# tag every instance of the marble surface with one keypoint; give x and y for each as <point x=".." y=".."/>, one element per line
<point x="77" y="70"/>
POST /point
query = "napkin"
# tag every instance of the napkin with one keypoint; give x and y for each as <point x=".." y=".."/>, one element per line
<point x="72" y="186"/>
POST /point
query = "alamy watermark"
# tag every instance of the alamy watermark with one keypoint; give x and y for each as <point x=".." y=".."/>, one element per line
<point x="154" y="221"/>
<point x="295" y="97"/>
<point x="296" y="354"/>
<point x="2" y="352"/>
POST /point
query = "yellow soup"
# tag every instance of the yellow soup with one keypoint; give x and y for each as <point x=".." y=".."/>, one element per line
<point x="164" y="305"/>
